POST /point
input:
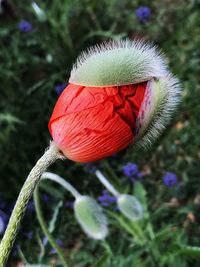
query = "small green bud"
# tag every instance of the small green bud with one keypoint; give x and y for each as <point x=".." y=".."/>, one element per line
<point x="91" y="217"/>
<point x="130" y="207"/>
<point x="39" y="12"/>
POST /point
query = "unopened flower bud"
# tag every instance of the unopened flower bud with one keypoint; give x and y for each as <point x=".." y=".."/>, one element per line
<point x="119" y="93"/>
<point x="130" y="207"/>
<point x="39" y="12"/>
<point x="91" y="217"/>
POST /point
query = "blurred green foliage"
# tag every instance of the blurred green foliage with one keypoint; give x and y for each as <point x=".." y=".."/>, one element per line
<point x="32" y="63"/>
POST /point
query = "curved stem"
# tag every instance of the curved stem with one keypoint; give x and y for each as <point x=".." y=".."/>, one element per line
<point x="45" y="229"/>
<point x="56" y="178"/>
<point x="49" y="157"/>
<point x="106" y="183"/>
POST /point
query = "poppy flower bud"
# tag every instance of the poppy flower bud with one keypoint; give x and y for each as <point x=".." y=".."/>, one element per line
<point x="91" y="217"/>
<point x="119" y="93"/>
<point x="130" y="207"/>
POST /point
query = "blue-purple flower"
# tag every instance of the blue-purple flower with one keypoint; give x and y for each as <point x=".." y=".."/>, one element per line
<point x="44" y="241"/>
<point x="2" y="225"/>
<point x="59" y="243"/>
<point x="90" y="167"/>
<point x="143" y="13"/>
<point x="45" y="198"/>
<point x="170" y="179"/>
<point x="25" y="26"/>
<point x="59" y="88"/>
<point x="31" y="207"/>
<point x="29" y="235"/>
<point x="131" y="170"/>
<point x="106" y="199"/>
<point x="3" y="222"/>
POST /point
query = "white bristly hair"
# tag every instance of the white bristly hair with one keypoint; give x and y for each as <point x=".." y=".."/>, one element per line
<point x="166" y="101"/>
<point x="118" y="63"/>
<point x="125" y="62"/>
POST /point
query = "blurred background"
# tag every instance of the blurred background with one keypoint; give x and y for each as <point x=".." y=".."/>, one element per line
<point x="39" y="41"/>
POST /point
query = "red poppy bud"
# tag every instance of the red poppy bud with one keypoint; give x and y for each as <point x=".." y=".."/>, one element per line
<point x="90" y="123"/>
<point x="118" y="93"/>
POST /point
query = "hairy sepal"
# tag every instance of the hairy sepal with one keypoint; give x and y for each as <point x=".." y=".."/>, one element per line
<point x="118" y="63"/>
<point x="160" y="101"/>
<point x="130" y="207"/>
<point x="90" y="216"/>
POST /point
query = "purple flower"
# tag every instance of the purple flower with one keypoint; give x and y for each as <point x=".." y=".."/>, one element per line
<point x="143" y="13"/>
<point x="44" y="241"/>
<point x="31" y="207"/>
<point x="90" y="167"/>
<point x="59" y="88"/>
<point x="106" y="199"/>
<point x="25" y="26"/>
<point x="131" y="170"/>
<point x="170" y="179"/>
<point x="2" y="225"/>
<point x="29" y="235"/>
<point x="3" y="221"/>
<point x="59" y="243"/>
<point x="45" y="198"/>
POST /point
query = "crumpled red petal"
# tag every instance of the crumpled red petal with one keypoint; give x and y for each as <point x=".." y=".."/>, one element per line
<point x="91" y="123"/>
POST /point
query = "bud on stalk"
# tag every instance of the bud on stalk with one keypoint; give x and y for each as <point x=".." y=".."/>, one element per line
<point x="119" y="93"/>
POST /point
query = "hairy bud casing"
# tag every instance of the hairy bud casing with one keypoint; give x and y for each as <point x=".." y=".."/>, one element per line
<point x="130" y="207"/>
<point x="119" y="93"/>
<point x="91" y="218"/>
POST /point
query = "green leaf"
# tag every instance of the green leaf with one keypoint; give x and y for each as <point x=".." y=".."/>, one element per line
<point x="190" y="252"/>
<point x="164" y="234"/>
<point x="42" y="248"/>
<point x="9" y="118"/>
<point x="132" y="228"/>
<point x="52" y="223"/>
<point x="141" y="194"/>
<point x="103" y="261"/>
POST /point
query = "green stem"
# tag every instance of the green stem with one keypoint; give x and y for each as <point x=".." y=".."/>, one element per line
<point x="45" y="229"/>
<point x="110" y="171"/>
<point x="21" y="255"/>
<point x="153" y="249"/>
<point x="106" y="183"/>
<point x="155" y="255"/>
<point x="59" y="180"/>
<point x="49" y="157"/>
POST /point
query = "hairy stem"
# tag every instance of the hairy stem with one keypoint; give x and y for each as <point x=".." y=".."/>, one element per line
<point x="45" y="228"/>
<point x="56" y="178"/>
<point x="49" y="157"/>
<point x="106" y="183"/>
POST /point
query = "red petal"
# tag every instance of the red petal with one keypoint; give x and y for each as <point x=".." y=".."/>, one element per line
<point x="90" y="123"/>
